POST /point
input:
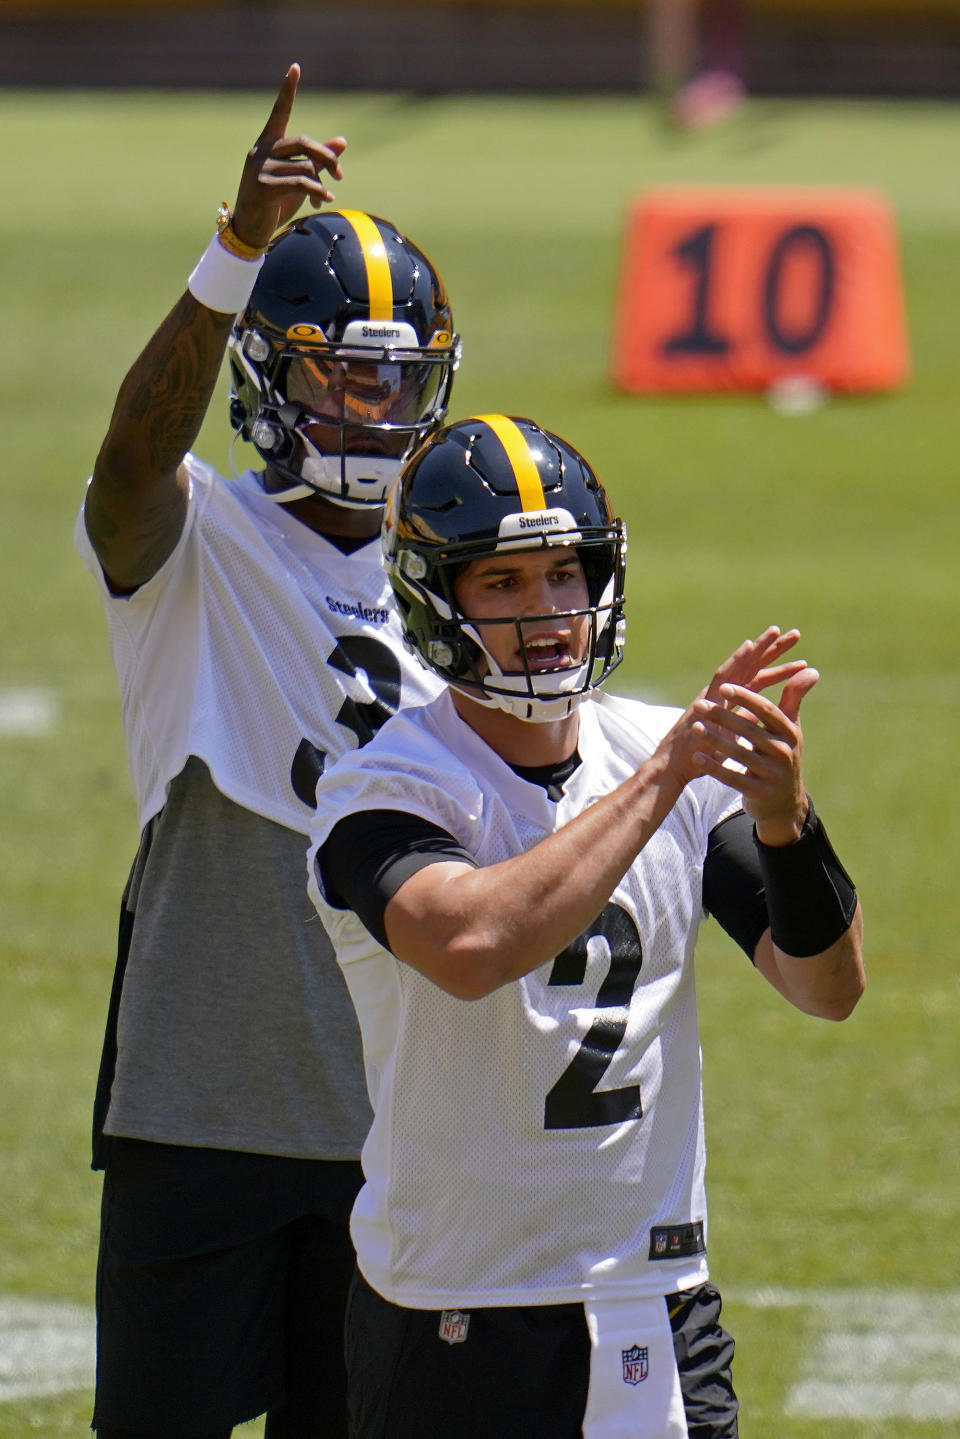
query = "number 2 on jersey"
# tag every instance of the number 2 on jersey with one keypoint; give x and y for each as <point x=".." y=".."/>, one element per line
<point x="574" y="1102"/>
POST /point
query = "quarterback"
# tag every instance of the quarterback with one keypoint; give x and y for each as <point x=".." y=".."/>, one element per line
<point x="513" y="877"/>
<point x="254" y="641"/>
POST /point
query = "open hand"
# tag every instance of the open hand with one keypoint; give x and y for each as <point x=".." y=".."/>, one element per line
<point x="734" y="733"/>
<point x="756" y="664"/>
<point x="755" y="745"/>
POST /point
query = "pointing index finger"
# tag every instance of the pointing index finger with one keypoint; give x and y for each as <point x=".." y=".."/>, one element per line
<point x="276" y="126"/>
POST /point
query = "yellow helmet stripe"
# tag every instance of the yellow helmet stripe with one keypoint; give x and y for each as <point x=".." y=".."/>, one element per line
<point x="512" y="439"/>
<point x="379" y="283"/>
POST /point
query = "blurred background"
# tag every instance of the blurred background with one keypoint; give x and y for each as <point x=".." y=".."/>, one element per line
<point x="844" y="47"/>
<point x="511" y="142"/>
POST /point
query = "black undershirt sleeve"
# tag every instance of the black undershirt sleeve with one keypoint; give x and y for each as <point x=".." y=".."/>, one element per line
<point x="733" y="883"/>
<point x="367" y="856"/>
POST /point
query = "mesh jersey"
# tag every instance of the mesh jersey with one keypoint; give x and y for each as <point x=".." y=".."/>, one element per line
<point x="233" y="1027"/>
<point x="258" y="647"/>
<point x="507" y="1162"/>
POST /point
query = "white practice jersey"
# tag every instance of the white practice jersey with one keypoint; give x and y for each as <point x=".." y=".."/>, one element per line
<point x="543" y="1144"/>
<point x="259" y="647"/>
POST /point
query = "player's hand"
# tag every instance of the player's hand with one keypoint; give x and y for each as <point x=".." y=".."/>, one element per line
<point x="755" y="665"/>
<point x="282" y="171"/>
<point x="756" y="746"/>
<point x="758" y="664"/>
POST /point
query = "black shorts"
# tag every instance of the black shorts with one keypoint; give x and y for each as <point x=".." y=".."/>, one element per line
<point x="221" y="1289"/>
<point x="524" y="1371"/>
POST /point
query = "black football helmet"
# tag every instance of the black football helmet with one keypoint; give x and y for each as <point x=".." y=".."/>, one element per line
<point x="342" y="362"/>
<point x="488" y="485"/>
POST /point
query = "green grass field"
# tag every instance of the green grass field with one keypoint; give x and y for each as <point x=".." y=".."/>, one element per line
<point x="833" y="1150"/>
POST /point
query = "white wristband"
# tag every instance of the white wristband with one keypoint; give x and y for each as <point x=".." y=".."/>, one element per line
<point x="223" y="282"/>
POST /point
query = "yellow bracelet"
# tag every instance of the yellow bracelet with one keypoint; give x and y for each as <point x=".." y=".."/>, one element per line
<point x="231" y="241"/>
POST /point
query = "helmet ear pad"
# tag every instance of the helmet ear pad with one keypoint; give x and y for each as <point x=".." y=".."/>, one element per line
<point x="450" y="649"/>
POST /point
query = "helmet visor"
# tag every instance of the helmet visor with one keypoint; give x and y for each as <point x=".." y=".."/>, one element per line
<point x="400" y="393"/>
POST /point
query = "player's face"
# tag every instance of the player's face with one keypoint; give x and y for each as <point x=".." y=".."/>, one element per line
<point x="530" y="600"/>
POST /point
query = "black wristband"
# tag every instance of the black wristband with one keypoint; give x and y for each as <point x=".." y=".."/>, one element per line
<point x="811" y="900"/>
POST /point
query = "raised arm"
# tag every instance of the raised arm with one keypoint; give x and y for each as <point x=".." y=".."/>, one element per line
<point x="473" y="930"/>
<point x="136" y="501"/>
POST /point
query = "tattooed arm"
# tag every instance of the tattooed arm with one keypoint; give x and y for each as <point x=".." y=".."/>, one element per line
<point x="136" y="502"/>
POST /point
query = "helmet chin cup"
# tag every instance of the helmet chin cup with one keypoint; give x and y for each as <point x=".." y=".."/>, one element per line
<point x="355" y="481"/>
<point x="535" y="709"/>
<point x="538" y="697"/>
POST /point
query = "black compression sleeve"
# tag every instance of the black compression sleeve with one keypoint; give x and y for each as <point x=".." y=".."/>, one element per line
<point x="811" y="899"/>
<point x="367" y="856"/>
<point x="733" y="882"/>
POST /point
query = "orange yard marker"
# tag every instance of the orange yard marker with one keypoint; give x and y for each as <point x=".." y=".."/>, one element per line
<point x="736" y="289"/>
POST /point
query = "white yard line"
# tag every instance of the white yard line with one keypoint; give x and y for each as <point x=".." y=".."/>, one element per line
<point x="878" y="1354"/>
<point x="27" y="711"/>
<point x="45" y="1348"/>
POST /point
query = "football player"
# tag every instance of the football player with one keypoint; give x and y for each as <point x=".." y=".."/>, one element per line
<point x="254" y="640"/>
<point x="513" y="876"/>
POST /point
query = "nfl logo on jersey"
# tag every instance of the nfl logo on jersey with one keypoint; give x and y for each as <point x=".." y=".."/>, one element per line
<point x="635" y="1364"/>
<point x="454" y="1326"/>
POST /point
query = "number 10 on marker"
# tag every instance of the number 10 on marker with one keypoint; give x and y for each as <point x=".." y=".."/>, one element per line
<point x="735" y="289"/>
